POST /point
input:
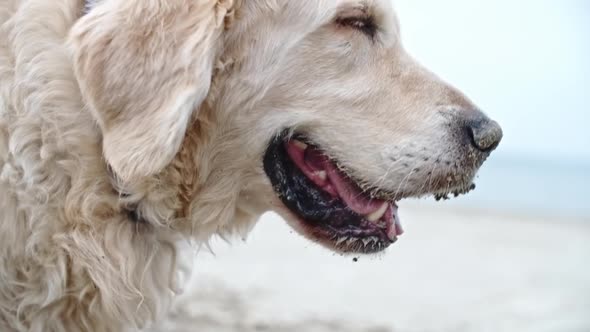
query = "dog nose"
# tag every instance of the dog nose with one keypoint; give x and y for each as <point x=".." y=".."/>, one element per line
<point x="485" y="134"/>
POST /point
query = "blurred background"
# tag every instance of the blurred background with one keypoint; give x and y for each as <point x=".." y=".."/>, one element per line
<point x="527" y="64"/>
<point x="512" y="256"/>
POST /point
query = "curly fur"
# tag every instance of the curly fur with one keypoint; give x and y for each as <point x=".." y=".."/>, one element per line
<point x="165" y="108"/>
<point x="70" y="259"/>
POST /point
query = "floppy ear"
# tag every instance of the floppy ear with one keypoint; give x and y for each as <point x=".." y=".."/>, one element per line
<point x="144" y="67"/>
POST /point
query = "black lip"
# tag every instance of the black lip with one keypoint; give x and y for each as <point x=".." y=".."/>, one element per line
<point x="328" y="218"/>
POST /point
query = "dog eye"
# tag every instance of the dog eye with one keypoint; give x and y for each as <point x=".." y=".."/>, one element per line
<point x="365" y="25"/>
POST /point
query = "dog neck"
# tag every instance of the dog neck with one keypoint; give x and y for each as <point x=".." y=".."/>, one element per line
<point x="180" y="181"/>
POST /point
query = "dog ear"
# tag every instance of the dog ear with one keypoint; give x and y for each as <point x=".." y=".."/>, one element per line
<point x="143" y="68"/>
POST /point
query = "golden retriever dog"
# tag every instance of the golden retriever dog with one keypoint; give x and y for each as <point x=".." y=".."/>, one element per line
<point x="132" y="131"/>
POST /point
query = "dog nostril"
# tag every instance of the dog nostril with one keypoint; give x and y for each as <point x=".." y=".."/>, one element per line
<point x="485" y="134"/>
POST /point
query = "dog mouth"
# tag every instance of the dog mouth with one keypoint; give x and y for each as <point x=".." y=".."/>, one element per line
<point x="329" y="205"/>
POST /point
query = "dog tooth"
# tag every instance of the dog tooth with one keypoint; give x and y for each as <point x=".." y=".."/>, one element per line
<point x="322" y="175"/>
<point x="375" y="216"/>
<point x="300" y="144"/>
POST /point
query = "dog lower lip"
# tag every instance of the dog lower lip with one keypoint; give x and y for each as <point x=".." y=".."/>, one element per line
<point x="315" y="192"/>
<point x="455" y="193"/>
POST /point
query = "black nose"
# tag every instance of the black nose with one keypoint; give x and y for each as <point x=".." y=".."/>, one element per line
<point x="485" y="134"/>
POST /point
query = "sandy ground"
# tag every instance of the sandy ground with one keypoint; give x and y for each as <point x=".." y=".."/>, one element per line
<point x="453" y="270"/>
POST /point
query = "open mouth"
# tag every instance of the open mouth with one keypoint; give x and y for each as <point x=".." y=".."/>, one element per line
<point x="331" y="206"/>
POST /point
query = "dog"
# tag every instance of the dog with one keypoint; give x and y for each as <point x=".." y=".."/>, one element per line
<point x="132" y="131"/>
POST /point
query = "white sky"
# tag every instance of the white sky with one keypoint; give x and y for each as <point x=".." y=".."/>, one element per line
<point x="526" y="63"/>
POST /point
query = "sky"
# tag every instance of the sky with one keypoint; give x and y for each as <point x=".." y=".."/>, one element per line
<point x="525" y="63"/>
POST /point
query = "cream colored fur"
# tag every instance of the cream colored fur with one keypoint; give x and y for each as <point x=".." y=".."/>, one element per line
<point x="167" y="107"/>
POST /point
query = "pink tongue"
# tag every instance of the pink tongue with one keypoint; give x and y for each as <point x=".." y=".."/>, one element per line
<point x="351" y="195"/>
<point x="312" y="161"/>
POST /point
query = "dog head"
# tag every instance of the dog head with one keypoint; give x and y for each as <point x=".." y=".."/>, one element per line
<point x="310" y="108"/>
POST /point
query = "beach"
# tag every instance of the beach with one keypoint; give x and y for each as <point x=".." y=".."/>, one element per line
<point x="453" y="270"/>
